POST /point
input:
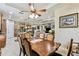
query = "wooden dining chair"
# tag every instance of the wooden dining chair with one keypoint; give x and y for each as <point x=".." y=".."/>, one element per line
<point x="20" y="40"/>
<point x="42" y="35"/>
<point x="37" y="34"/>
<point x="75" y="48"/>
<point x="54" y="53"/>
<point x="28" y="35"/>
<point x="63" y="51"/>
<point x="28" y="49"/>
<point x="70" y="47"/>
<point x="50" y="37"/>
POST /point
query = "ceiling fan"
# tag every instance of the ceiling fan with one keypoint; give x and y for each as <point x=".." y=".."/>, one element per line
<point x="34" y="12"/>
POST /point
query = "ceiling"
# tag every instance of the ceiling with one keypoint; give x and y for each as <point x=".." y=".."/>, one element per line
<point x="12" y="10"/>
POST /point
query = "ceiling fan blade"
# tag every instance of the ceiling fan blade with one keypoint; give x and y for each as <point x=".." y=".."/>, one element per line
<point x="22" y="12"/>
<point x="39" y="14"/>
<point x="25" y="11"/>
<point x="42" y="10"/>
<point x="31" y="7"/>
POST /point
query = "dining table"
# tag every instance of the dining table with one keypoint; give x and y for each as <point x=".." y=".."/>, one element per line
<point x="44" y="47"/>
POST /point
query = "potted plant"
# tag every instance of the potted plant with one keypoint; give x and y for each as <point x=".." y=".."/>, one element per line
<point x="52" y="32"/>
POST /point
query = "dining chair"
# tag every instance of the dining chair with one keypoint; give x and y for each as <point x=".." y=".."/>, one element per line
<point x="20" y="39"/>
<point x="70" y="47"/>
<point x="75" y="49"/>
<point x="63" y="51"/>
<point x="28" y="49"/>
<point x="50" y="37"/>
<point x="37" y="34"/>
<point x="42" y="35"/>
<point x="28" y="35"/>
<point x="54" y="53"/>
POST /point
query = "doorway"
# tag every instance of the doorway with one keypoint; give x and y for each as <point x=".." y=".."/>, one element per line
<point x="10" y="29"/>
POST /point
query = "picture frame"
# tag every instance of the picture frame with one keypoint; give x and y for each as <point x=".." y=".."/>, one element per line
<point x="68" y="21"/>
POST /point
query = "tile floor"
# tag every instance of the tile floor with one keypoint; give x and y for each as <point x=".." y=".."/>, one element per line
<point x="11" y="48"/>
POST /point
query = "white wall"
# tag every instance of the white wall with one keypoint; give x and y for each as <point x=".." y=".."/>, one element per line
<point x="63" y="35"/>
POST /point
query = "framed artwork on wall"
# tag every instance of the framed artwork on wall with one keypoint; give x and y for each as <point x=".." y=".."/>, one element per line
<point x="68" y="21"/>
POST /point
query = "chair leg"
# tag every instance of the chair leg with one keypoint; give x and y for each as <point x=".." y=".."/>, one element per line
<point x="20" y="52"/>
<point x="24" y="53"/>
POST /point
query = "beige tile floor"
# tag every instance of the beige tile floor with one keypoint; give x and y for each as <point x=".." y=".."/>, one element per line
<point x="11" y="48"/>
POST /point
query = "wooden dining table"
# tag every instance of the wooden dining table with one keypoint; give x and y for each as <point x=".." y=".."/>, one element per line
<point x="44" y="47"/>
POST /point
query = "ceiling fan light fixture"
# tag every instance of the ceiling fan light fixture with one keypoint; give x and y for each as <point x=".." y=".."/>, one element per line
<point x="36" y="16"/>
<point x="32" y="16"/>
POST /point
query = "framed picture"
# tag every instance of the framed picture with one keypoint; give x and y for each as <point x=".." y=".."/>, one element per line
<point x="68" y="21"/>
